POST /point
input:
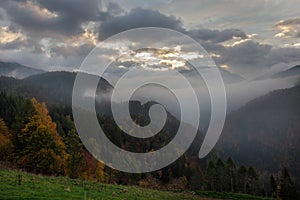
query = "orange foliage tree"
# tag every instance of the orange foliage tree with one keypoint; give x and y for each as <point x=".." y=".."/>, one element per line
<point x="44" y="151"/>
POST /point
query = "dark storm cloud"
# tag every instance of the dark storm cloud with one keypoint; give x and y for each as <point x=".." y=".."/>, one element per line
<point x="138" y="18"/>
<point x="249" y="58"/>
<point x="87" y="10"/>
<point x="114" y="9"/>
<point x="246" y="53"/>
<point x="70" y="15"/>
<point x="217" y="36"/>
<point x="79" y="51"/>
<point x="65" y="29"/>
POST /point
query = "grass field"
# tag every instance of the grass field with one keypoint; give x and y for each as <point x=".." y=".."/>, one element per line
<point x="44" y="187"/>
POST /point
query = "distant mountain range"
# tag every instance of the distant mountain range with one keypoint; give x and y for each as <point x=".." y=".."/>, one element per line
<point x="293" y="71"/>
<point x="17" y="71"/>
<point x="265" y="132"/>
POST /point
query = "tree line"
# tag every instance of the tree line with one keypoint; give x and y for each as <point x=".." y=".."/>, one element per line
<point x="45" y="141"/>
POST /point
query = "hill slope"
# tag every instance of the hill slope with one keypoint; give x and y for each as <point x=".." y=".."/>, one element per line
<point x="266" y="132"/>
<point x="42" y="187"/>
<point x="16" y="70"/>
<point x="50" y="87"/>
<point x="294" y="71"/>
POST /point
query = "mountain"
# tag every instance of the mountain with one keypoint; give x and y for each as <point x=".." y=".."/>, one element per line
<point x="55" y="88"/>
<point x="294" y="71"/>
<point x="17" y="71"/>
<point x="266" y="132"/>
<point x="291" y="72"/>
<point x="229" y="77"/>
<point x="50" y="87"/>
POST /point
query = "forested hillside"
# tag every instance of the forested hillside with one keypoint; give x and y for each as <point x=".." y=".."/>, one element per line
<point x="265" y="132"/>
<point x="45" y="141"/>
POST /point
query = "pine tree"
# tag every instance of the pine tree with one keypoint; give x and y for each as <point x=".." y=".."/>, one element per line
<point x="252" y="180"/>
<point x="287" y="189"/>
<point x="211" y="176"/>
<point x="220" y="175"/>
<point x="230" y="171"/>
<point x="273" y="186"/>
<point x="241" y="174"/>
<point x="75" y="162"/>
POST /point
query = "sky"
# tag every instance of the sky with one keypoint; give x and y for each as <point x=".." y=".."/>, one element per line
<point x="246" y="39"/>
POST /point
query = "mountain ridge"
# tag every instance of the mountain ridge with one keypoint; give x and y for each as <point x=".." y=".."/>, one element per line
<point x="18" y="71"/>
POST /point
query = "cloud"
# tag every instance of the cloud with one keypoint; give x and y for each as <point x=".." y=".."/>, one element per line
<point x="10" y="39"/>
<point x="52" y="18"/>
<point x="138" y="18"/>
<point x="289" y="28"/>
<point x="217" y="36"/>
<point x="63" y="31"/>
<point x="252" y="58"/>
<point x="55" y="28"/>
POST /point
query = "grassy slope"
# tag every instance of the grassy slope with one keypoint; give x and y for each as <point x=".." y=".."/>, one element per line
<point x="43" y="187"/>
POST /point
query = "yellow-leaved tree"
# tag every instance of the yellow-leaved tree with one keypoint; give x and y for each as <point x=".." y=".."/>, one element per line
<point x="44" y="151"/>
<point x="100" y="171"/>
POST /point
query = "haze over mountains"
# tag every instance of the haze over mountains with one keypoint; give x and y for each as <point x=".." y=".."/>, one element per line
<point x="264" y="132"/>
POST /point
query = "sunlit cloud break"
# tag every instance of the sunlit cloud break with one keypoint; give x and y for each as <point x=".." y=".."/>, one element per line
<point x="157" y="59"/>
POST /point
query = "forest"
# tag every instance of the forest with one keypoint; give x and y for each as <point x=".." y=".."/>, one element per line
<point x="43" y="140"/>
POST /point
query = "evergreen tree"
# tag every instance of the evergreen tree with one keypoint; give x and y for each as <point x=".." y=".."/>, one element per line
<point x="75" y="163"/>
<point x="211" y="176"/>
<point x="273" y="186"/>
<point x="252" y="181"/>
<point x="197" y="179"/>
<point x="220" y="175"/>
<point x="230" y="174"/>
<point x="241" y="174"/>
<point x="287" y="189"/>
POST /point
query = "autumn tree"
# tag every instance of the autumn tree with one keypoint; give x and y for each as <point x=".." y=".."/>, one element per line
<point x="43" y="152"/>
<point x="100" y="172"/>
<point x="6" y="146"/>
